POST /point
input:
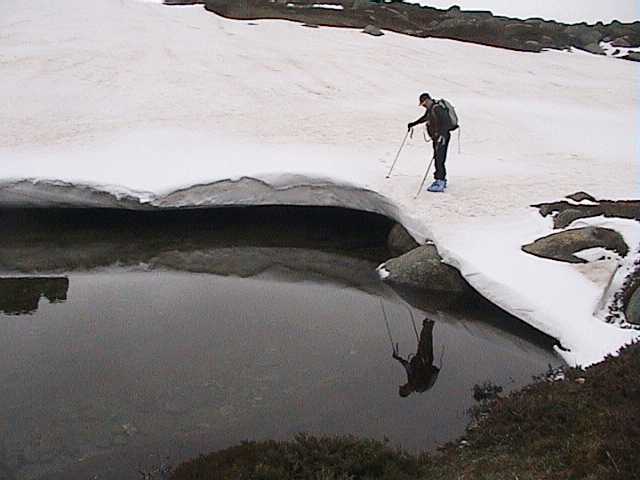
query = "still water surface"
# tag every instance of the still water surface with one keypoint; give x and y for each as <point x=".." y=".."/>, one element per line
<point x="108" y="371"/>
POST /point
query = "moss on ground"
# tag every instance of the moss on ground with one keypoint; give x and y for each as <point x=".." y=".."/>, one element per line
<point x="584" y="427"/>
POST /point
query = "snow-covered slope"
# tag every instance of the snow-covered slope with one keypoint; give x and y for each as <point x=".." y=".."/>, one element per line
<point x="141" y="100"/>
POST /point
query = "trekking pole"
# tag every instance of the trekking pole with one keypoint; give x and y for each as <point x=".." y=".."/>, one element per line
<point x="425" y="178"/>
<point x="398" y="154"/>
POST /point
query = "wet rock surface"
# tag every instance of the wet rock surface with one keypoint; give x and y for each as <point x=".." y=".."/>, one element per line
<point x="481" y="27"/>
<point x="423" y="268"/>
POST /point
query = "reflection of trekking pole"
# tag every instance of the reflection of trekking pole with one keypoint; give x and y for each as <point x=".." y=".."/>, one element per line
<point x="398" y="154"/>
<point x="425" y="177"/>
<point x="384" y="313"/>
<point x="413" y="321"/>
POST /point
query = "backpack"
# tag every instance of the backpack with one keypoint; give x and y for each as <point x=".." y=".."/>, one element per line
<point x="451" y="114"/>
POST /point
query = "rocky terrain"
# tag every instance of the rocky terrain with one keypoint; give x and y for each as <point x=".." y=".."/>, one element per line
<point x="421" y="267"/>
<point x="533" y="35"/>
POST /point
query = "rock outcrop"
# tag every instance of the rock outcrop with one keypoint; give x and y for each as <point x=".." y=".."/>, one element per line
<point x="400" y="241"/>
<point x="423" y="268"/>
<point x="562" y="246"/>
<point x="534" y="34"/>
<point x="632" y="310"/>
<point x="619" y="303"/>
<point x="582" y="205"/>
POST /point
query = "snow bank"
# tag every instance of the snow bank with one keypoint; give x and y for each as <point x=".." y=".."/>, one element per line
<point x="134" y="102"/>
<point x="553" y="297"/>
<point x="244" y="191"/>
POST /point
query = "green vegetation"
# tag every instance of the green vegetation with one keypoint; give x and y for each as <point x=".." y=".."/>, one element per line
<point x="584" y="427"/>
<point x="305" y="457"/>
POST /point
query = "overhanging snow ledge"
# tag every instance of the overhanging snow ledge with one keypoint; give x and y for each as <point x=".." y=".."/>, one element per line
<point x="246" y="191"/>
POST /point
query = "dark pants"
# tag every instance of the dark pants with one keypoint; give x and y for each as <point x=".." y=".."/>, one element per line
<point x="440" y="154"/>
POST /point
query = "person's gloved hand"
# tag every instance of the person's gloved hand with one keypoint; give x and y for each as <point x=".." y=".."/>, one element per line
<point x="410" y="125"/>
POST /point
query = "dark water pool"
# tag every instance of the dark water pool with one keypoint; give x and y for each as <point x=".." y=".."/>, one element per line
<point x="112" y="362"/>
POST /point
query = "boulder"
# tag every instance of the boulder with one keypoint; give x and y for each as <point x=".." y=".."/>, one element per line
<point x="423" y="268"/>
<point x="621" y="42"/>
<point x="453" y="25"/>
<point x="481" y="29"/>
<point x="454" y="11"/>
<point x="633" y="56"/>
<point x="532" y="45"/>
<point x="357" y="4"/>
<point x="399" y="241"/>
<point x="583" y="35"/>
<point x="563" y="245"/>
<point x="373" y="30"/>
<point x="581" y="196"/>
<point x="632" y="311"/>
<point x="594" y="48"/>
<point x="566" y="217"/>
<point x="518" y="29"/>
<point x="491" y="26"/>
<point x="618" y="29"/>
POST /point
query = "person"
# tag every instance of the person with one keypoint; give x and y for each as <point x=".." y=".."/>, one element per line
<point x="421" y="372"/>
<point x="437" y="121"/>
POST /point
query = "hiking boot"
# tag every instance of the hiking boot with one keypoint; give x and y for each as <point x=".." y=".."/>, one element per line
<point x="437" y="186"/>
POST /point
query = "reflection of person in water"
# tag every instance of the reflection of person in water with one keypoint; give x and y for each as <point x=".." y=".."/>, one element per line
<point x="421" y="372"/>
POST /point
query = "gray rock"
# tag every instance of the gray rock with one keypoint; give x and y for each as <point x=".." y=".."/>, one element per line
<point x="551" y="28"/>
<point x="580" y="196"/>
<point x="454" y="11"/>
<point x="583" y="35"/>
<point x="568" y="216"/>
<point x="621" y="42"/>
<point x="452" y="24"/>
<point x="632" y="311"/>
<point x="360" y="4"/>
<point x="535" y="21"/>
<point x="594" y="48"/>
<point x="532" y="45"/>
<point x="562" y="246"/>
<point x="399" y="241"/>
<point x="518" y="29"/>
<point x="423" y="268"/>
<point x="373" y="30"/>
<point x="633" y="56"/>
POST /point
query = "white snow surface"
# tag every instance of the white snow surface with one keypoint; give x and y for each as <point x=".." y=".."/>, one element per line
<point x="141" y="100"/>
<point x="557" y="298"/>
